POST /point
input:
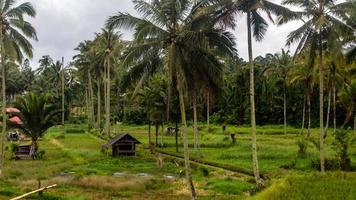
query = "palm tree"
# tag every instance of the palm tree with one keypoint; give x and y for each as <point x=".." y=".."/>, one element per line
<point x="258" y="25"/>
<point x="14" y="35"/>
<point x="83" y="62"/>
<point x="281" y="64"/>
<point x="174" y="34"/>
<point x="38" y="114"/>
<point x="321" y="19"/>
<point x="304" y="73"/>
<point x="347" y="97"/>
<point x="109" y="47"/>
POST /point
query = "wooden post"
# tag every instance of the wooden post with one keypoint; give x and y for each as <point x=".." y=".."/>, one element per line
<point x="39" y="186"/>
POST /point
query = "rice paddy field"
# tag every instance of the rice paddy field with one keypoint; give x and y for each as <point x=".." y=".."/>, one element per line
<point x="221" y="169"/>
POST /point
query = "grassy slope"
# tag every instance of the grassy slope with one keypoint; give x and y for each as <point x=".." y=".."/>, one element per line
<point x="329" y="186"/>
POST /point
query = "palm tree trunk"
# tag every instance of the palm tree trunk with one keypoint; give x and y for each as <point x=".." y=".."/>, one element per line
<point x="99" y="105"/>
<point x="91" y="100"/>
<point x="33" y="148"/>
<point x="63" y="110"/>
<point x="188" y="171"/>
<point x="108" y="93"/>
<point x="156" y="142"/>
<point x="87" y="105"/>
<point x="149" y="133"/>
<point x="252" y="101"/>
<point x="321" y="104"/>
<point x="176" y="133"/>
<point x="208" y="109"/>
<point x="309" y="112"/>
<point x="334" y="104"/>
<point x="285" y="108"/>
<point x="162" y="133"/>
<point x="355" y="125"/>
<point x="105" y="81"/>
<point x="196" y="132"/>
<point x="3" y="85"/>
<point x="327" y="116"/>
<point x="303" y="117"/>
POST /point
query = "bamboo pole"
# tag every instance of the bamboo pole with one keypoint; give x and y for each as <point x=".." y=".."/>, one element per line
<point x="33" y="192"/>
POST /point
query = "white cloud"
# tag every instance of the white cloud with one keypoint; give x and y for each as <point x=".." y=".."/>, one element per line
<point x="62" y="24"/>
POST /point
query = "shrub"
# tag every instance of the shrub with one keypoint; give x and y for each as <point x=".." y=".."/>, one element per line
<point x="205" y="171"/>
<point x="302" y="147"/>
<point x="330" y="164"/>
<point x="135" y="116"/>
<point x="39" y="155"/>
<point x="341" y="145"/>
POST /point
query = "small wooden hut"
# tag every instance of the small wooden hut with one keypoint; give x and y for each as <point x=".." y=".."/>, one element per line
<point x="122" y="145"/>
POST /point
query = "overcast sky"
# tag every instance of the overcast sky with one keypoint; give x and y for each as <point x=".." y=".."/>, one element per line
<point x="62" y="24"/>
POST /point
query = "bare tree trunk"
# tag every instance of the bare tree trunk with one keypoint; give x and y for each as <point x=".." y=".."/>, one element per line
<point x="321" y="101"/>
<point x="309" y="113"/>
<point x="87" y="106"/>
<point x="149" y="133"/>
<point x="176" y="132"/>
<point x="196" y="131"/>
<point x="285" y="108"/>
<point x="208" y="110"/>
<point x="188" y="171"/>
<point x="63" y="110"/>
<point x="99" y="105"/>
<point x="156" y="142"/>
<point x="303" y="118"/>
<point x="4" y="118"/>
<point x="33" y="148"/>
<point x="252" y="101"/>
<point x="162" y="134"/>
<point x="355" y="125"/>
<point x="327" y="116"/>
<point x="334" y="104"/>
<point x="91" y="102"/>
<point x="108" y="93"/>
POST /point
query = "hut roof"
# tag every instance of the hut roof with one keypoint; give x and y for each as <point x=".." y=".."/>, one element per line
<point x="12" y="110"/>
<point x="120" y="138"/>
<point x="15" y="120"/>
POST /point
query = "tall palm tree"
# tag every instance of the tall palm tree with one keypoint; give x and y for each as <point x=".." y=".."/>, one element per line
<point x="109" y="47"/>
<point x="280" y="64"/>
<point x="257" y="25"/>
<point x="83" y="62"/>
<point x="174" y="34"/>
<point x="321" y="19"/>
<point x="304" y="73"/>
<point x="14" y="44"/>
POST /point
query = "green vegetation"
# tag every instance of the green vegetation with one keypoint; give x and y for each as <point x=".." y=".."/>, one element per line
<point x="84" y="172"/>
<point x="179" y="86"/>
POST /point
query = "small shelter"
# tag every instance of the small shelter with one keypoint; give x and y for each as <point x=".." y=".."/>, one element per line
<point x="122" y="145"/>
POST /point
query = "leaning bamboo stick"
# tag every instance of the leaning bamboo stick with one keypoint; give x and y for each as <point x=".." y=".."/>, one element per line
<point x="33" y="192"/>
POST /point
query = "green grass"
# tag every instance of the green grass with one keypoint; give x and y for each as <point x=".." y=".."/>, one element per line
<point x="80" y="152"/>
<point x="330" y="186"/>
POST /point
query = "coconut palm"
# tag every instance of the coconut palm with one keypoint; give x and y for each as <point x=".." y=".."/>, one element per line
<point x="280" y="64"/>
<point x="38" y="114"/>
<point x="175" y="34"/>
<point x="304" y="73"/>
<point x="257" y="26"/>
<point x="321" y="20"/>
<point x="83" y="62"/>
<point x="14" y="44"/>
<point x="109" y="47"/>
